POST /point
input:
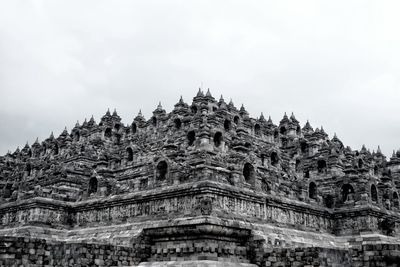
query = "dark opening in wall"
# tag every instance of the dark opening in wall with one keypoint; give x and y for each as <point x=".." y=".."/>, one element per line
<point x="321" y="165"/>
<point x="329" y="201"/>
<point x="77" y="136"/>
<point x="8" y="190"/>
<point x="143" y="184"/>
<point x="297" y="166"/>
<point x="117" y="126"/>
<point x="262" y="159"/>
<point x="129" y="154"/>
<point x="29" y="153"/>
<point x="298" y="130"/>
<point x="193" y="109"/>
<point x="307" y="174"/>
<point x="374" y="193"/>
<point x="303" y="147"/>
<point x="107" y="133"/>
<point x="118" y="138"/>
<point x="92" y="189"/>
<point x="276" y="135"/>
<point x="360" y="164"/>
<point x="154" y="121"/>
<point x="227" y="125"/>
<point x="162" y="170"/>
<point x="248" y="173"/>
<point x="347" y="193"/>
<point x="236" y="119"/>
<point x="312" y="191"/>
<point x="191" y="136"/>
<point x="134" y="128"/>
<point x="28" y="169"/>
<point x="257" y="129"/>
<point x="247" y="145"/>
<point x="396" y="200"/>
<point x="274" y="159"/>
<point x="283" y="130"/>
<point x="178" y="123"/>
<point x="56" y="149"/>
<point x="214" y="109"/>
<point x="376" y="170"/>
<point x="217" y="139"/>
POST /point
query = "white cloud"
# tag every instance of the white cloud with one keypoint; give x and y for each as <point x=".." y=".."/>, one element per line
<point x="335" y="63"/>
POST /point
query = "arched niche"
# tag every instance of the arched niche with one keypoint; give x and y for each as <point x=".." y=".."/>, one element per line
<point x="360" y="163"/>
<point x="177" y="123"/>
<point x="257" y="129"/>
<point x="236" y="120"/>
<point x="133" y="128"/>
<point x="8" y="190"/>
<point x="274" y="158"/>
<point x="93" y="184"/>
<point x="347" y="193"/>
<point x="191" y="137"/>
<point x="297" y="165"/>
<point x="396" y="203"/>
<point x="77" y="136"/>
<point x="374" y="193"/>
<point x="129" y="154"/>
<point x="312" y="191"/>
<point x="248" y="173"/>
<point x="161" y="170"/>
<point x="321" y="166"/>
<point x="56" y="149"/>
<point x="108" y="133"/>
<point x="282" y="130"/>
<point x="218" y="139"/>
<point x="193" y="109"/>
<point x="227" y="125"/>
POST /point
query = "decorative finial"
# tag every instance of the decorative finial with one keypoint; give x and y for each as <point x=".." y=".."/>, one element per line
<point x="159" y="107"/>
<point x="262" y="117"/>
<point x="108" y="112"/>
<point x="208" y="94"/>
<point x="200" y="93"/>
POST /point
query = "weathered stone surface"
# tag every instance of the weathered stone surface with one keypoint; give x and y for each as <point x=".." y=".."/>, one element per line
<point x="203" y="183"/>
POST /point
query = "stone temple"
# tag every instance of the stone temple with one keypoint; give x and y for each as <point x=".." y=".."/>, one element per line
<point x="203" y="185"/>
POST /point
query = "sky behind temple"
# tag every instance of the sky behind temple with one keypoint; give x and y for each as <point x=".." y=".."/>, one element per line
<point x="335" y="63"/>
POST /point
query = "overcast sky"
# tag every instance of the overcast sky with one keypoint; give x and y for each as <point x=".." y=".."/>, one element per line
<point x="336" y="63"/>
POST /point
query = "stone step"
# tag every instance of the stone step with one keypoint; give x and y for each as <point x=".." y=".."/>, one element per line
<point x="195" y="263"/>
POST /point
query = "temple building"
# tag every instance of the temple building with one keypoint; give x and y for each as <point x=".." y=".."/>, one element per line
<point x="202" y="185"/>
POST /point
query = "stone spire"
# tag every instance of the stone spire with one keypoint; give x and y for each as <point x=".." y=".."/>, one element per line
<point x="180" y="104"/>
<point x="243" y="111"/>
<point x="262" y="119"/>
<point x="307" y="129"/>
<point x="379" y="151"/>
<point x="293" y="118"/>
<point x="139" y="116"/>
<point x="200" y="93"/>
<point x="231" y="106"/>
<point x="208" y="94"/>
